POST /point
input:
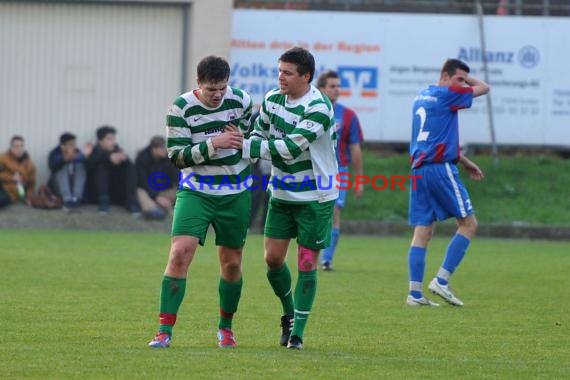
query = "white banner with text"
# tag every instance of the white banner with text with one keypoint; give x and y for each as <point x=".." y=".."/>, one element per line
<point x="384" y="60"/>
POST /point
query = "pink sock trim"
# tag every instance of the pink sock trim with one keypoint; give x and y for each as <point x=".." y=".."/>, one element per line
<point x="307" y="259"/>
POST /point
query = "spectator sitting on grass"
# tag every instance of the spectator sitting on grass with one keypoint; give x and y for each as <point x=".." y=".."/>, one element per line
<point x="111" y="177"/>
<point x="17" y="174"/>
<point x="67" y="166"/>
<point x="157" y="180"/>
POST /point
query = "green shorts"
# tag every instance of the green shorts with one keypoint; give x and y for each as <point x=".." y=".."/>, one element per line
<point x="310" y="223"/>
<point x="228" y="214"/>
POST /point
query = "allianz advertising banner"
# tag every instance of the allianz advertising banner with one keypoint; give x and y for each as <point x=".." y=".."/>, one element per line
<point x="384" y="60"/>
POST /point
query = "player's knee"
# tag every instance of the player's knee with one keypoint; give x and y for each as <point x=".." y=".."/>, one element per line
<point x="468" y="227"/>
<point x="180" y="255"/>
<point x="422" y="236"/>
<point x="475" y="225"/>
<point x="231" y="264"/>
<point x="274" y="260"/>
<point x="231" y="271"/>
<point x="307" y="259"/>
<point x="471" y="227"/>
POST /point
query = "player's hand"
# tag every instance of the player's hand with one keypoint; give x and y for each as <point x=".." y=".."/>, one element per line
<point x="474" y="171"/>
<point x="358" y="192"/>
<point x="228" y="140"/>
<point x="230" y="127"/>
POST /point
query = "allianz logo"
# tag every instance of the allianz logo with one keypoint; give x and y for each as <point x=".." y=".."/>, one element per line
<point x="527" y="56"/>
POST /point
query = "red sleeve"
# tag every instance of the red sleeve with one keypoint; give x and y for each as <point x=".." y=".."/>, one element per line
<point x="461" y="89"/>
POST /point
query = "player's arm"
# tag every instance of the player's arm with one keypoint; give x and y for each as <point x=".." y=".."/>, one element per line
<point x="479" y="87"/>
<point x="309" y="128"/>
<point x="260" y="129"/>
<point x="472" y="168"/>
<point x="355" y="139"/>
<point x="182" y="152"/>
<point x="357" y="167"/>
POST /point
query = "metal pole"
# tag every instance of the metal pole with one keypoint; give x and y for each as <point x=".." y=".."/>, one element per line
<point x="494" y="149"/>
<point x="185" y="47"/>
<point x="518" y="9"/>
<point x="546" y="8"/>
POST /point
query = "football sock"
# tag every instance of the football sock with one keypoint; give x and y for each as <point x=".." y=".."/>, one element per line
<point x="304" y="297"/>
<point x="230" y="293"/>
<point x="280" y="281"/>
<point x="455" y="252"/>
<point x="416" y="266"/>
<point x="171" y="296"/>
<point x="328" y="253"/>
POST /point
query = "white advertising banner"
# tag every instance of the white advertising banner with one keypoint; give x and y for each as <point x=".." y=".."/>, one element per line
<point x="384" y="60"/>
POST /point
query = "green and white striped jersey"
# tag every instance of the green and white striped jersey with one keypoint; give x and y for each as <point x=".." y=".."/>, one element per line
<point x="190" y="126"/>
<point x="299" y="138"/>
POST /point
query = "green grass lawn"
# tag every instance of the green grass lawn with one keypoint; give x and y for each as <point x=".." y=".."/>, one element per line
<point x="84" y="305"/>
<point x="516" y="190"/>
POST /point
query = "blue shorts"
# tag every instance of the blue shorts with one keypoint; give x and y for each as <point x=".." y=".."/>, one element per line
<point x="439" y="195"/>
<point x="340" y="201"/>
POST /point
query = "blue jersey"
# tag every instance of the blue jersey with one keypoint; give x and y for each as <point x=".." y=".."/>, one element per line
<point x="435" y="132"/>
<point x="348" y="132"/>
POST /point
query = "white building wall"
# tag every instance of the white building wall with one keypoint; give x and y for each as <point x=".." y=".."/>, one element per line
<point x="210" y="32"/>
<point x="73" y="67"/>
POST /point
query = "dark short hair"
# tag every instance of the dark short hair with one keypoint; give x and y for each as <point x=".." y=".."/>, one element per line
<point x="302" y="58"/>
<point x="157" y="142"/>
<point x="326" y="75"/>
<point x="16" y="138"/>
<point x="65" y="137"/>
<point x="451" y="65"/>
<point x="213" y="69"/>
<point x="105" y="130"/>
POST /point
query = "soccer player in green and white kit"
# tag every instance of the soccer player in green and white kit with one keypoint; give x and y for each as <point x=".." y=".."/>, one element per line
<point x="203" y="140"/>
<point x="295" y="130"/>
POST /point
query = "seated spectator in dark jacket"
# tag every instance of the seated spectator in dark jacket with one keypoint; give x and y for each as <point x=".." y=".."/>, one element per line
<point x="111" y="177"/>
<point x="68" y="173"/>
<point x="17" y="174"/>
<point x="157" y="180"/>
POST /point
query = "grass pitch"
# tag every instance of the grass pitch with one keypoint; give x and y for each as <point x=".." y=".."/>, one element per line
<point x="84" y="305"/>
<point x="516" y="190"/>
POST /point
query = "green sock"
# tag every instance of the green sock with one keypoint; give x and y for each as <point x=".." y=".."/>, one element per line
<point x="305" y="292"/>
<point x="280" y="281"/>
<point x="230" y="293"/>
<point x="171" y="296"/>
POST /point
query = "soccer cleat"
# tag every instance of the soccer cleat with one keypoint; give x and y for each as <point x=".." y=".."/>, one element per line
<point x="226" y="338"/>
<point x="160" y="340"/>
<point x="295" y="343"/>
<point x="444" y="292"/>
<point x="411" y="301"/>
<point x="326" y="266"/>
<point x="286" y="327"/>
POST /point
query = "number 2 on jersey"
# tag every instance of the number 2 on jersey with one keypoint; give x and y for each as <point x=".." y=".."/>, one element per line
<point x="423" y="135"/>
